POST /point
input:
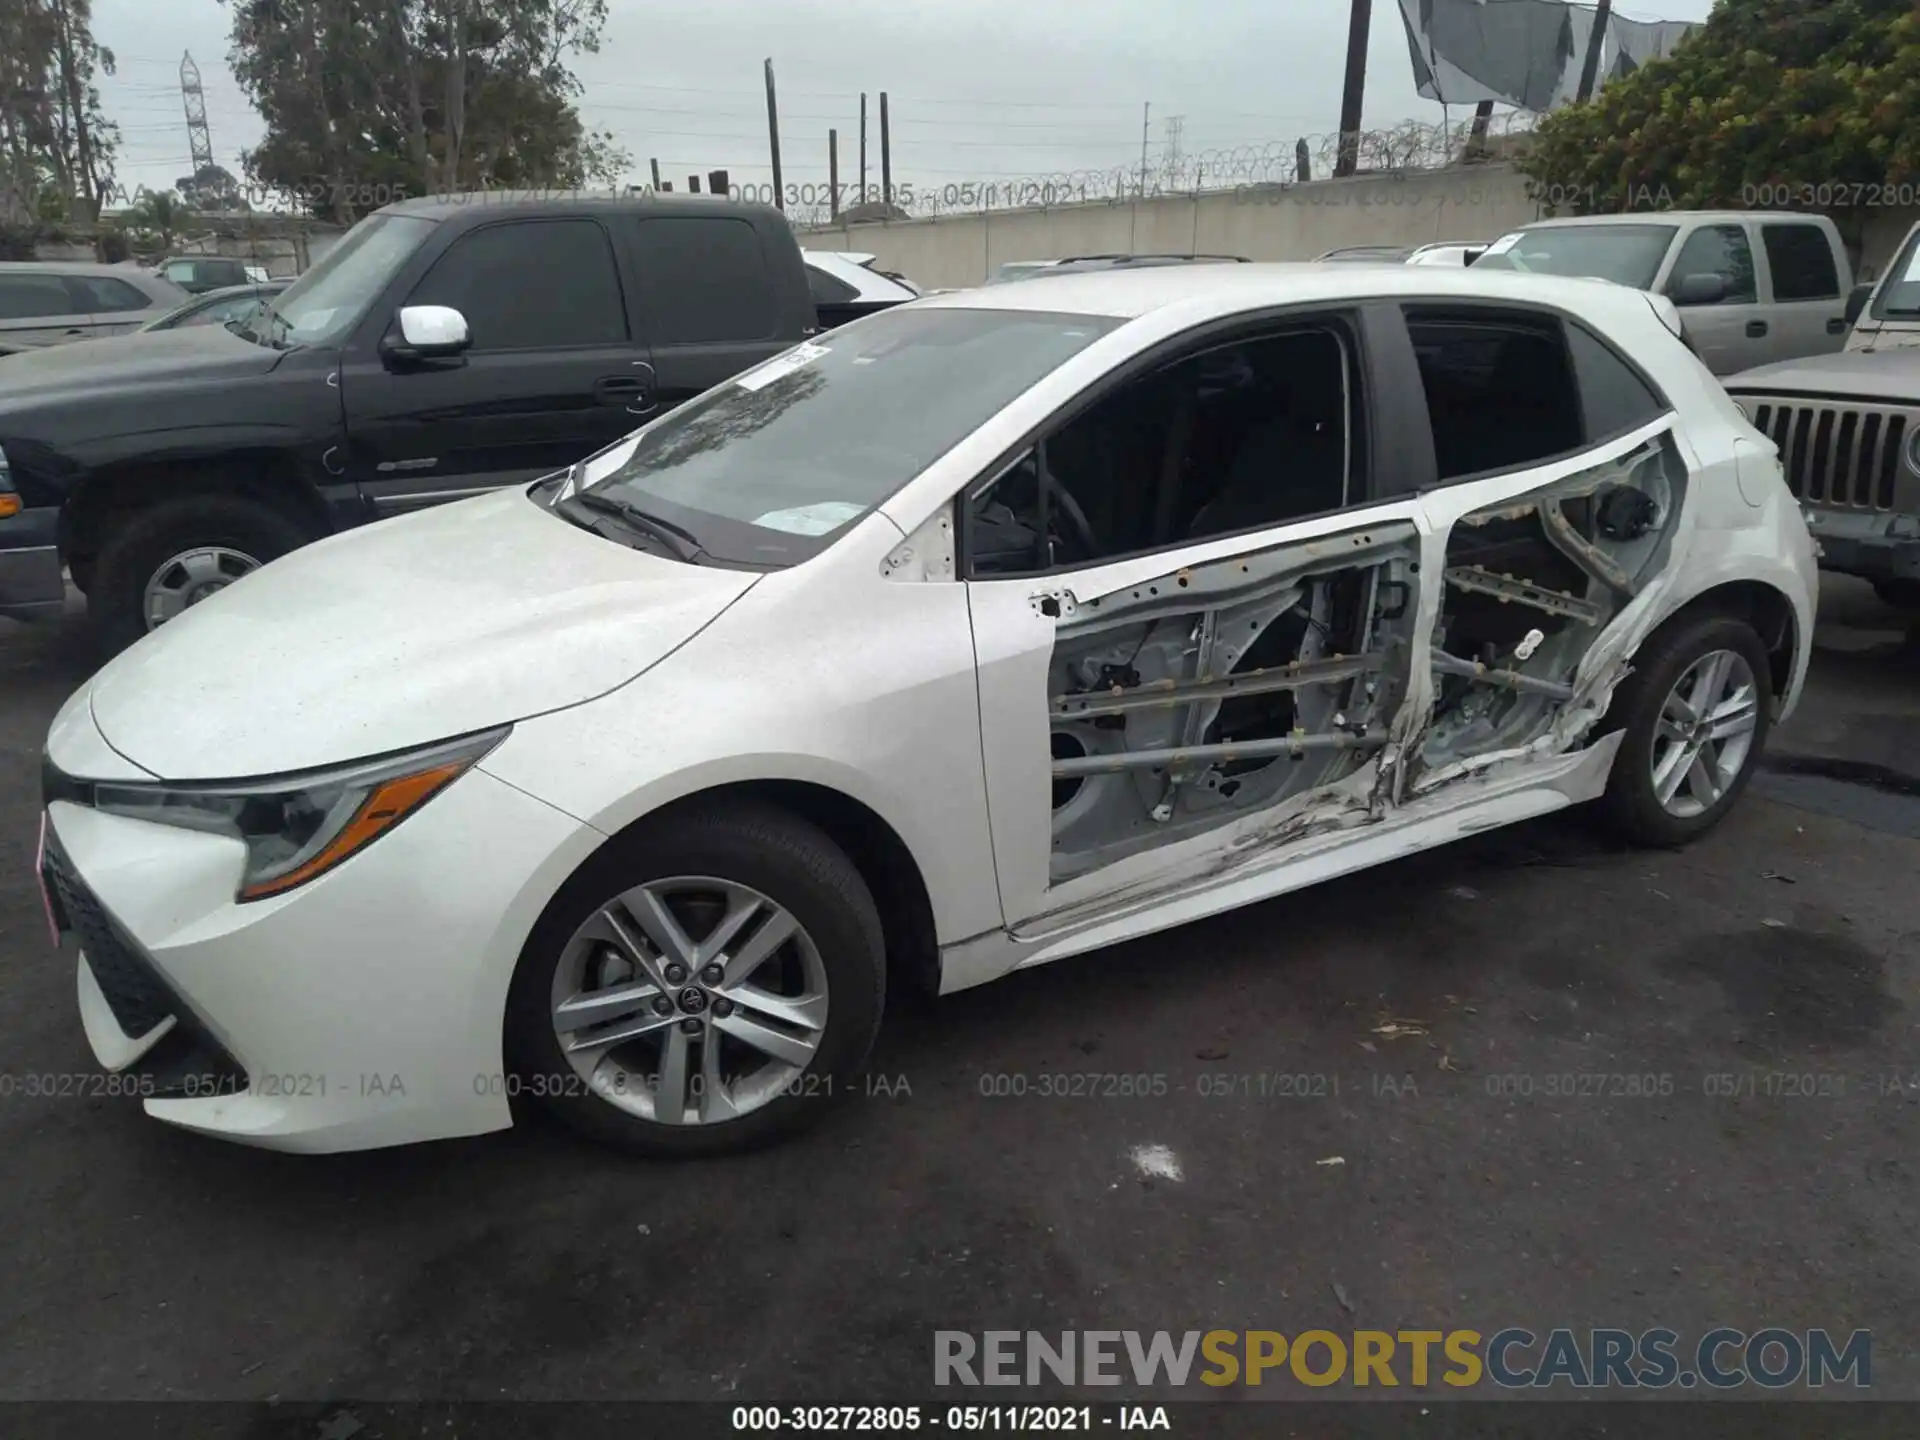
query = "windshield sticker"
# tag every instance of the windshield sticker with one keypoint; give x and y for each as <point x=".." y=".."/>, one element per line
<point x="1504" y="244"/>
<point x="781" y="366"/>
<point x="817" y="519"/>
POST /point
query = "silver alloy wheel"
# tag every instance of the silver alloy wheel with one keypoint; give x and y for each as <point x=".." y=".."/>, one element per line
<point x="689" y="1000"/>
<point x="189" y="577"/>
<point x="1705" y="733"/>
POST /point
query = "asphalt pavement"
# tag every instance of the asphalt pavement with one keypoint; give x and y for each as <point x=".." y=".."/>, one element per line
<point x="1527" y="1080"/>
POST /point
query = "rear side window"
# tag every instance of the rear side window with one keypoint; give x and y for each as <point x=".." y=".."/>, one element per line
<point x="32" y="297"/>
<point x="104" y="295"/>
<point x="1801" y="261"/>
<point x="1719" y="250"/>
<point x="829" y="289"/>
<point x="1614" y="397"/>
<point x="1500" y="389"/>
<point x="531" y="285"/>
<point x="706" y="280"/>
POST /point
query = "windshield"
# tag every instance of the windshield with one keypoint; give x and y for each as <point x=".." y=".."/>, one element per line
<point x="1624" y="254"/>
<point x="325" y="303"/>
<point x="1899" y="295"/>
<point x="771" y="466"/>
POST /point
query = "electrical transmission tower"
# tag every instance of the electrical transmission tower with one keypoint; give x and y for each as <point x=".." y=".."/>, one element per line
<point x="198" y="137"/>
<point x="1176" y="126"/>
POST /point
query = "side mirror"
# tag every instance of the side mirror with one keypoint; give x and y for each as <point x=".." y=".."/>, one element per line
<point x="1706" y="289"/>
<point x="428" y="332"/>
<point x="1857" y="299"/>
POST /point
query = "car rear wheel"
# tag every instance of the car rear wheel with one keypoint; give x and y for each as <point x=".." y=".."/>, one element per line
<point x="1696" y="712"/>
<point x="705" y="984"/>
<point x="164" y="559"/>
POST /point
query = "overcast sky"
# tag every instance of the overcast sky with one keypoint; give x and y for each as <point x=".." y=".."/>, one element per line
<point x="979" y="90"/>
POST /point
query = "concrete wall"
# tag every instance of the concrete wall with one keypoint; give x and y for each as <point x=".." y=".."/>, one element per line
<point x="1263" y="223"/>
<point x="1297" y="222"/>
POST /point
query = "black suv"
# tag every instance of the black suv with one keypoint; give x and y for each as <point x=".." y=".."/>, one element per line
<point x="442" y="348"/>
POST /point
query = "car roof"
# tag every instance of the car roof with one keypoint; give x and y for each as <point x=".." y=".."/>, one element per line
<point x="447" y="207"/>
<point x="1127" y="294"/>
<point x="1667" y="217"/>
<point x="69" y="267"/>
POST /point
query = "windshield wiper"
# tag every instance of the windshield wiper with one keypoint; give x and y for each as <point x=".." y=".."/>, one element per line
<point x="680" y="541"/>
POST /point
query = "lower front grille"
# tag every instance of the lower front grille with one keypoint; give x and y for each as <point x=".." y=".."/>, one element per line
<point x="1841" y="456"/>
<point x="138" y="1000"/>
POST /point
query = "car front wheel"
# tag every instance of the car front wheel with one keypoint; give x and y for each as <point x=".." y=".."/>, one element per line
<point x="707" y="983"/>
<point x="1695" y="712"/>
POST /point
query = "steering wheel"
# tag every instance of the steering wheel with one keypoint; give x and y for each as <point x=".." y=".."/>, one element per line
<point x="1061" y="501"/>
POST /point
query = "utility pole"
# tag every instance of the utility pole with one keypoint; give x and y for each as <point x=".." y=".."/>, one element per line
<point x="773" y="140"/>
<point x="886" y="154"/>
<point x="1146" y="127"/>
<point x="1353" y="96"/>
<point x="655" y="163"/>
<point x="863" y="147"/>
<point x="1477" y="136"/>
<point x="833" y="174"/>
<point x="1602" y="12"/>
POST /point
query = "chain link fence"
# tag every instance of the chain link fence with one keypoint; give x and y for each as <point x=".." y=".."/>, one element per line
<point x="1410" y="145"/>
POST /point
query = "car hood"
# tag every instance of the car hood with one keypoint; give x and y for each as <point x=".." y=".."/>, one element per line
<point x="401" y="633"/>
<point x="203" y="351"/>
<point x="1872" y="375"/>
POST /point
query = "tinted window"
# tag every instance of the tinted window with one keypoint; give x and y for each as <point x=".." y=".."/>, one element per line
<point x="325" y="303"/>
<point x="29" y="297"/>
<point x="1624" y="254"/>
<point x="706" y="280"/>
<point x="102" y="295"/>
<point x="1802" y="262"/>
<point x="1718" y="250"/>
<point x="1500" y="390"/>
<point x="531" y="285"/>
<point x="1615" y="397"/>
<point x="829" y="289"/>
<point x="769" y="467"/>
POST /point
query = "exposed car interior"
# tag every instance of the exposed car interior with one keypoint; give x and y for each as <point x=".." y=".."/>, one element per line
<point x="1252" y="434"/>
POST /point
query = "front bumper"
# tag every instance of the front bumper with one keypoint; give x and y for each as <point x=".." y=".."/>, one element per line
<point x="32" y="583"/>
<point x="363" y="1009"/>
<point x="1875" y="547"/>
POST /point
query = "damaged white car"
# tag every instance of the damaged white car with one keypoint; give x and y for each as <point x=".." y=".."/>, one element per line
<point x="986" y="631"/>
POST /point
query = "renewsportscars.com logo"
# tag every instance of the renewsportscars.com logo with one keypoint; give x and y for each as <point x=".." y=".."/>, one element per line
<point x="1512" y="1359"/>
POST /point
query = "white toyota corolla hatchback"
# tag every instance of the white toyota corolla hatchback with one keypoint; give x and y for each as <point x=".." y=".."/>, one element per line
<point x="983" y="632"/>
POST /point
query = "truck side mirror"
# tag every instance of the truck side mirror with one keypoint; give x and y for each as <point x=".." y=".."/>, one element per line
<point x="428" y="332"/>
<point x="1700" y="289"/>
<point x="1857" y="299"/>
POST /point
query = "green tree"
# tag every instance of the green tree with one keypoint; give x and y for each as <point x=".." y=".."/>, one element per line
<point x="365" y="100"/>
<point x="1819" y="96"/>
<point x="160" y="213"/>
<point x="56" y="146"/>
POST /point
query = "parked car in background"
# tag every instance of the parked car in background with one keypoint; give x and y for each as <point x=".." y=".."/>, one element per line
<point x="197" y="274"/>
<point x="219" y="307"/>
<point x="846" y="286"/>
<point x="1447" y="253"/>
<point x="1004" y="627"/>
<point x="443" y="347"/>
<point x="1754" y="286"/>
<point x="1368" y="255"/>
<point x="1887" y="315"/>
<point x="46" y="303"/>
<point x="1848" y="431"/>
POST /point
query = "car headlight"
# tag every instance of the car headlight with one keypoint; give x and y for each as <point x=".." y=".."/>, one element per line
<point x="298" y="827"/>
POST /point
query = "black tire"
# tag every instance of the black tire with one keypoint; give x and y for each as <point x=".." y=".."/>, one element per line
<point x="785" y="858"/>
<point x="137" y="546"/>
<point x="1630" y="808"/>
<point x="1900" y="594"/>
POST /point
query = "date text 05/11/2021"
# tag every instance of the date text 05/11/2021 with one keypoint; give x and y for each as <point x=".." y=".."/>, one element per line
<point x="961" y="1419"/>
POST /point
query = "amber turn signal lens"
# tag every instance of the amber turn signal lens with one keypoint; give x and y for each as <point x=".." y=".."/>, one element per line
<point x="9" y="505"/>
<point x="386" y="807"/>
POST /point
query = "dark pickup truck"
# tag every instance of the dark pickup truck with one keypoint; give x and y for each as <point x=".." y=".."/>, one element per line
<point x="443" y="347"/>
